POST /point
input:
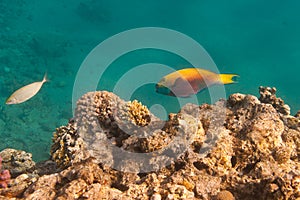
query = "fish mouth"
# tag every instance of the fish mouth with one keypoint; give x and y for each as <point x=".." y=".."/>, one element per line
<point x="157" y="86"/>
<point x="9" y="101"/>
<point x="160" y="88"/>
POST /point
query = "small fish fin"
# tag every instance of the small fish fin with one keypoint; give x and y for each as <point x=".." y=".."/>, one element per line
<point x="45" y="79"/>
<point x="228" y="78"/>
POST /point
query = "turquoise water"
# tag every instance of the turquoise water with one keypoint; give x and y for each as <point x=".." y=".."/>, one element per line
<point x="255" y="39"/>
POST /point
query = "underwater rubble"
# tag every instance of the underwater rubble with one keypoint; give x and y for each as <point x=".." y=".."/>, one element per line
<point x="241" y="148"/>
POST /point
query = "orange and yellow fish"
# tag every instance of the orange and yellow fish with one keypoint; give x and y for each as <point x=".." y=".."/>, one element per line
<point x="189" y="81"/>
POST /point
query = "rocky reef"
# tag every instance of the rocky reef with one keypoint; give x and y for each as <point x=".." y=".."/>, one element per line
<point x="18" y="162"/>
<point x="4" y="176"/>
<point x="241" y="148"/>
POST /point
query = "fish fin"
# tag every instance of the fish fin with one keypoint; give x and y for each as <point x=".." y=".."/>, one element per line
<point x="228" y="78"/>
<point x="45" y="79"/>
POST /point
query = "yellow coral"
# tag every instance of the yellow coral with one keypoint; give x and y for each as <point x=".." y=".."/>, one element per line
<point x="138" y="113"/>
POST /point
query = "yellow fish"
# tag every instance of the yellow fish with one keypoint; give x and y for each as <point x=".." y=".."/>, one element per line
<point x="189" y="81"/>
<point x="26" y="92"/>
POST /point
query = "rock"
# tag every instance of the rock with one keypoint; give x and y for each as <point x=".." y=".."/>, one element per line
<point x="179" y="192"/>
<point x="46" y="167"/>
<point x="155" y="196"/>
<point x="268" y="95"/>
<point x="96" y="191"/>
<point x="17" y="161"/>
<point x="75" y="181"/>
<point x="18" y="185"/>
<point x="224" y="195"/>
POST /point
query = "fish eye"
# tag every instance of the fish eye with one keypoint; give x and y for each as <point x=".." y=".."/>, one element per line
<point x="10" y="101"/>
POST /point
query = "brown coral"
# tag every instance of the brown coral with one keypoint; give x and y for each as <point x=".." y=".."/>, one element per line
<point x="67" y="147"/>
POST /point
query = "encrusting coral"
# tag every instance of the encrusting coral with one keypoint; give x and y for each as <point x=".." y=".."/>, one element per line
<point x="243" y="148"/>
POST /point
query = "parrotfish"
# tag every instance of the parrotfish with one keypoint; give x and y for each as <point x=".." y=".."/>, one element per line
<point x="189" y="81"/>
<point x="26" y="92"/>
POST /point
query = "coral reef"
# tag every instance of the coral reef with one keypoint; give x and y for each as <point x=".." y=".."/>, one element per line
<point x="268" y="95"/>
<point x="4" y="176"/>
<point x="19" y="162"/>
<point x="242" y="148"/>
<point x="66" y="145"/>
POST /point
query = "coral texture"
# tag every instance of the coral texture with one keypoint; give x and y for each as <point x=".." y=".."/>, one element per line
<point x="19" y="162"/>
<point x="4" y="176"/>
<point x="242" y="148"/>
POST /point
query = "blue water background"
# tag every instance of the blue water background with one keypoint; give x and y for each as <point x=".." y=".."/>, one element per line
<point x="259" y="40"/>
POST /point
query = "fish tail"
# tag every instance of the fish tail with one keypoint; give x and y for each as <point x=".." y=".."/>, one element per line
<point x="45" y="79"/>
<point x="228" y="78"/>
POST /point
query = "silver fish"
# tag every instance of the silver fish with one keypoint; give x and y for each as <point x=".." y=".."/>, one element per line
<point x="26" y="92"/>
